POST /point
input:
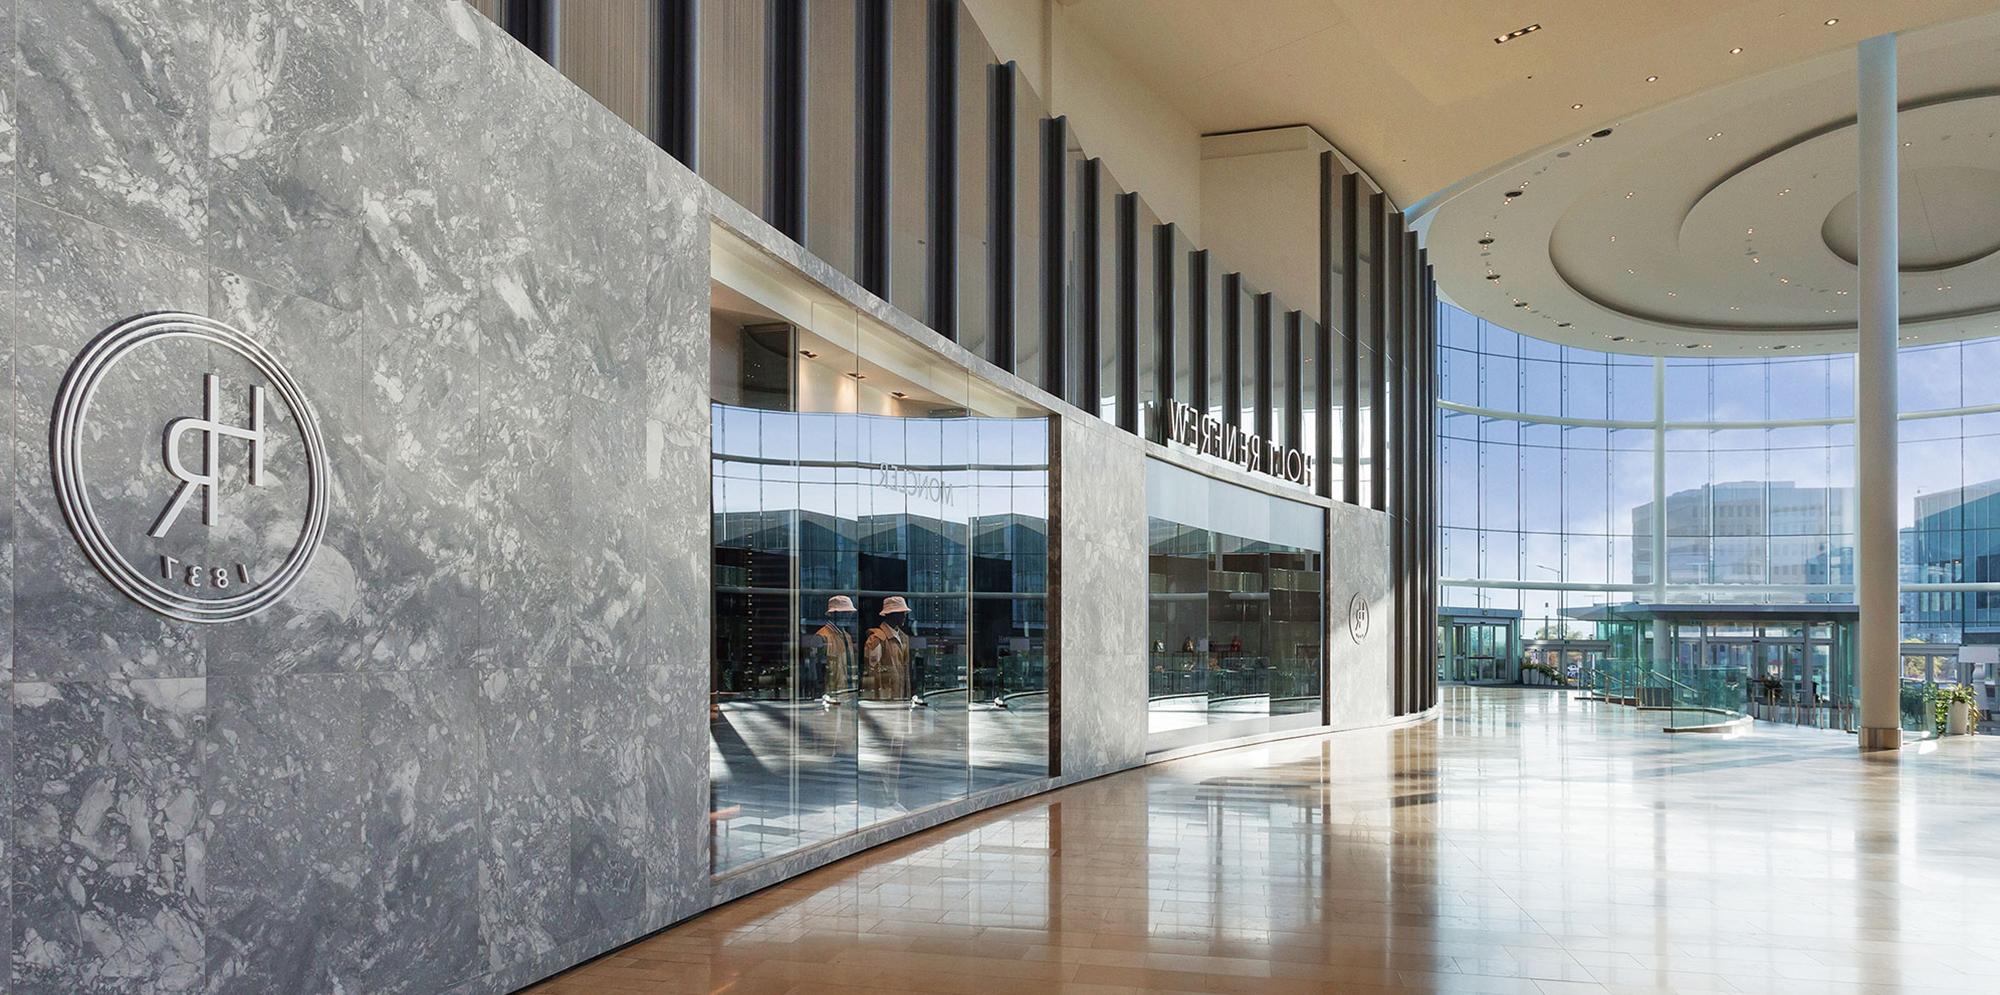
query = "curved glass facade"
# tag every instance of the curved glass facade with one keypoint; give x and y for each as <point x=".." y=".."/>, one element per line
<point x="1554" y="463"/>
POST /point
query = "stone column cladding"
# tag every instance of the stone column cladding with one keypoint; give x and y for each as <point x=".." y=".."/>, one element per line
<point x="471" y="747"/>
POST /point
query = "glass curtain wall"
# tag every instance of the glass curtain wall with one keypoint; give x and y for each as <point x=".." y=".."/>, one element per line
<point x="1235" y="634"/>
<point x="1549" y="502"/>
<point x="881" y="574"/>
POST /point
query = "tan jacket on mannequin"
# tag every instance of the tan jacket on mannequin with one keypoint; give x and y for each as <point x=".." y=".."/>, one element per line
<point x="839" y="648"/>
<point x="888" y="654"/>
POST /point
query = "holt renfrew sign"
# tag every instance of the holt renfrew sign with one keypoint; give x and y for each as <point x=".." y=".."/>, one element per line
<point x="189" y="466"/>
<point x="1212" y="436"/>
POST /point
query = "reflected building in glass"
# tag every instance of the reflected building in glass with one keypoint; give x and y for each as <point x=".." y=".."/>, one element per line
<point x="881" y="550"/>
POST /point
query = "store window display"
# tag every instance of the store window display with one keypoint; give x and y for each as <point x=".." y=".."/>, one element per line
<point x="1235" y="592"/>
<point x="880" y="570"/>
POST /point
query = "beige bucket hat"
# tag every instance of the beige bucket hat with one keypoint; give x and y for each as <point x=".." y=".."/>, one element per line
<point x="893" y="605"/>
<point x="839" y="603"/>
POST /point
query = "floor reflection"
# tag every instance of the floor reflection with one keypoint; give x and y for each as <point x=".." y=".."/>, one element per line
<point x="1525" y="842"/>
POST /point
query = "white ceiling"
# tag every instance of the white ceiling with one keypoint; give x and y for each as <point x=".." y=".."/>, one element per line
<point x="1725" y="220"/>
<point x="1420" y="96"/>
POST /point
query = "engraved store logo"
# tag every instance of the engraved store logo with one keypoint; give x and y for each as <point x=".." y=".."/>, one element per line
<point x="189" y="467"/>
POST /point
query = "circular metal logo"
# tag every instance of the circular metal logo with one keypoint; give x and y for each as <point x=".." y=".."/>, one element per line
<point x="188" y="489"/>
<point x="1357" y="618"/>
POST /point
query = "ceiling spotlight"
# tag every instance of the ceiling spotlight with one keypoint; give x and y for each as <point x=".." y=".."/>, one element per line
<point x="1781" y="347"/>
<point x="1715" y="136"/>
<point x="1842" y="293"/>
<point x="1652" y="79"/>
<point x="1576" y="107"/>
<point x="1736" y="51"/>
<point x="1486" y="241"/>
<point x="1511" y="194"/>
<point x="1831" y="21"/>
<point x="1692" y="345"/>
<point x="858" y="376"/>
<point x="808" y="353"/>
<point x="1516" y="33"/>
<point x="1601" y="133"/>
<point x="1520" y="303"/>
<point x="1493" y="276"/>
<point x="1562" y="324"/>
<point x="1614" y="238"/>
<point x="1618" y="338"/>
<point x="897" y="394"/>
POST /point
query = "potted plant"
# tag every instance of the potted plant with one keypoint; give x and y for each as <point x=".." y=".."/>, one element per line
<point x="1957" y="709"/>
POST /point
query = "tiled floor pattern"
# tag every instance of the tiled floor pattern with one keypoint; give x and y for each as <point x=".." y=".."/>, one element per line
<point x="1524" y="843"/>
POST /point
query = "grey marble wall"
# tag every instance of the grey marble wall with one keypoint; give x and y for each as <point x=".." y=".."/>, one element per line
<point x="1357" y="564"/>
<point x="1101" y="597"/>
<point x="470" y="747"/>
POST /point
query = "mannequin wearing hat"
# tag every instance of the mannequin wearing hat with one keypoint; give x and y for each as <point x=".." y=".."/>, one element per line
<point x="838" y="647"/>
<point x="888" y="652"/>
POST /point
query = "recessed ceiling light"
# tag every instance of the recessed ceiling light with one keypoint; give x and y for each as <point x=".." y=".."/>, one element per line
<point x="1652" y="79"/>
<point x="1614" y="238"/>
<point x="1754" y="259"/>
<point x="1601" y="133"/>
<point x="1842" y="293"/>
<point x="1562" y="324"/>
<point x="1736" y="51"/>
<point x="897" y="394"/>
<point x="1784" y="279"/>
<point x="1628" y="194"/>
<point x="859" y="376"/>
<point x="1617" y="338"/>
<point x="1486" y="241"/>
<point x="1493" y="276"/>
<point x="1672" y="294"/>
<point x="808" y="353"/>
<point x="1516" y="33"/>
<point x="1576" y="107"/>
<point x="1831" y="21"/>
<point x="1511" y="194"/>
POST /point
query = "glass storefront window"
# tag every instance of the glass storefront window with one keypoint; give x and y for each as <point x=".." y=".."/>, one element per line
<point x="881" y="576"/>
<point x="1234" y="591"/>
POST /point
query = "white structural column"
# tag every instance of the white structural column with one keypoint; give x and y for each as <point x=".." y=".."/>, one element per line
<point x="1662" y="652"/>
<point x="1875" y="563"/>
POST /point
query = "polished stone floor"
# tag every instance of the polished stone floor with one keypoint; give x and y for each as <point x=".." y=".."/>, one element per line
<point x="1525" y="842"/>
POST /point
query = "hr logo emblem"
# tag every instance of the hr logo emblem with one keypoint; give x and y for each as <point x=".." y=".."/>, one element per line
<point x="212" y="430"/>
<point x="99" y="462"/>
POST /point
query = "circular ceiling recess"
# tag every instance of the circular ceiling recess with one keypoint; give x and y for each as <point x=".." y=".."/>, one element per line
<point x="1948" y="216"/>
<point x="1727" y="220"/>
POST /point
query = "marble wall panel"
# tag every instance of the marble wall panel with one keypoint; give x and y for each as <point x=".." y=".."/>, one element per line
<point x="1101" y="593"/>
<point x="111" y="99"/>
<point x="1357" y="565"/>
<point x="345" y="840"/>
<point x="109" y="856"/>
<point x="286" y="107"/>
